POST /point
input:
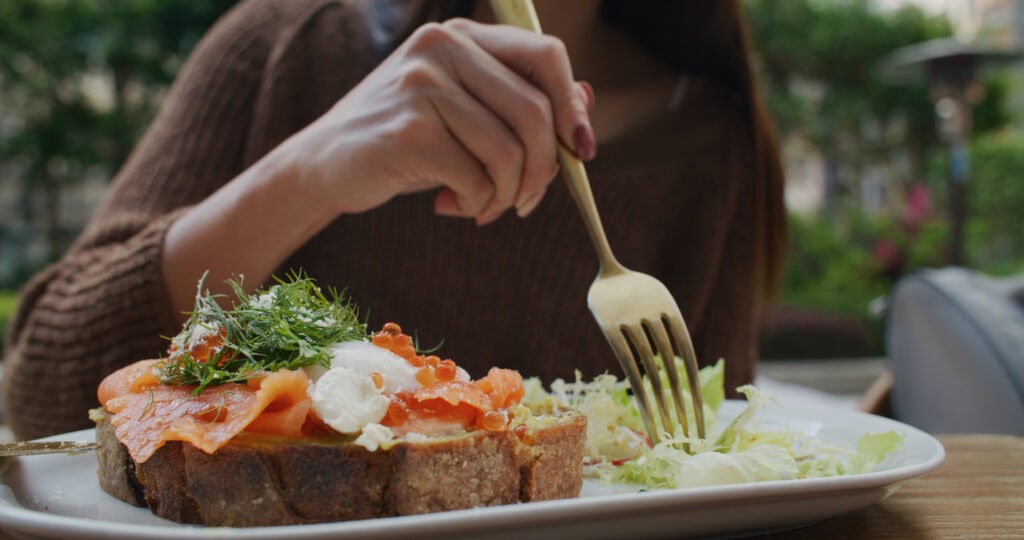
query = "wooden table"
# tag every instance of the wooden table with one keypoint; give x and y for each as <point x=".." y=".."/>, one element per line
<point x="978" y="492"/>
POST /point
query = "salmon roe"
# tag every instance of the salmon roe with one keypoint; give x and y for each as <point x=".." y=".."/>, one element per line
<point x="398" y="412"/>
<point x="446" y="371"/>
<point x="426" y="376"/>
<point x="204" y="348"/>
<point x="432" y="370"/>
<point x="495" y="420"/>
<point x="485" y="385"/>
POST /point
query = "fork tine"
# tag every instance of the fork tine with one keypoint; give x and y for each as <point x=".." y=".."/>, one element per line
<point x="643" y="348"/>
<point x="681" y="337"/>
<point x="621" y="348"/>
<point x="661" y="339"/>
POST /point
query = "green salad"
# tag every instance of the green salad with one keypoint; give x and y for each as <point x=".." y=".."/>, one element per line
<point x="618" y="450"/>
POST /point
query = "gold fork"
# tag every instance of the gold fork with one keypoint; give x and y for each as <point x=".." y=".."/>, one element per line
<point x="635" y="311"/>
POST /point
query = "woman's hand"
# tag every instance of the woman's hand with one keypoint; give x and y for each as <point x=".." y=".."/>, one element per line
<point x="469" y="108"/>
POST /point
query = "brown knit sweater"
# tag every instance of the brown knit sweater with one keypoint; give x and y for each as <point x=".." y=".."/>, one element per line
<point x="675" y="201"/>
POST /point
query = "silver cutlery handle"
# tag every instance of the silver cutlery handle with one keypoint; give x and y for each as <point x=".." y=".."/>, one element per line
<point x="31" y="448"/>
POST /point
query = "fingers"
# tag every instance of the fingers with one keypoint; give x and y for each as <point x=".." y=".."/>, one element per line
<point x="522" y="163"/>
<point x="490" y="141"/>
<point x="441" y="155"/>
<point x="544" y="62"/>
<point x="468" y="184"/>
<point x="503" y="97"/>
<point x="586" y="93"/>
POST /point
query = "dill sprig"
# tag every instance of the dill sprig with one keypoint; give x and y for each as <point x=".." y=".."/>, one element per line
<point x="289" y="325"/>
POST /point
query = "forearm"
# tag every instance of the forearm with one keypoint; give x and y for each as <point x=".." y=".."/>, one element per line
<point x="246" y="228"/>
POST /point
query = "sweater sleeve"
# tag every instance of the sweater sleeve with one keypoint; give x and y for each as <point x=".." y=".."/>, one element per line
<point x="104" y="305"/>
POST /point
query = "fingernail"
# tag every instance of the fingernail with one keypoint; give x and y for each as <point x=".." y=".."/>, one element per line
<point x="583" y="142"/>
<point x="484" y="219"/>
<point x="529" y="204"/>
<point x="589" y="99"/>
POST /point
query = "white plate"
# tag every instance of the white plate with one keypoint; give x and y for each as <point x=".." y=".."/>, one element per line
<point x="57" y="496"/>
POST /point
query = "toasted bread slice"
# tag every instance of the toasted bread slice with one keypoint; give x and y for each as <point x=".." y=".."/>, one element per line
<point x="263" y="481"/>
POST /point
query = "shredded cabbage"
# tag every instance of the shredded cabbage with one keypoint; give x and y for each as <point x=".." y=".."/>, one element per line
<point x="618" y="450"/>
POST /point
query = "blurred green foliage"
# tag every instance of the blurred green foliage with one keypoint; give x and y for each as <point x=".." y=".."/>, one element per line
<point x="831" y="269"/>
<point x="8" y="301"/>
<point x="835" y="271"/>
<point x="818" y="62"/>
<point x="819" y="67"/>
<point x="996" y="200"/>
<point x="79" y="82"/>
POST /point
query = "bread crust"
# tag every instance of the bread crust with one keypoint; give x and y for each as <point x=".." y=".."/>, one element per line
<point x="262" y="481"/>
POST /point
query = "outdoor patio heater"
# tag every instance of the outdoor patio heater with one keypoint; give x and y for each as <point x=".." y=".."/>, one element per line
<point x="950" y="69"/>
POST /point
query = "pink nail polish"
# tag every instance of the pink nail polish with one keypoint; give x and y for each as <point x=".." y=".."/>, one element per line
<point x="591" y="99"/>
<point x="583" y="142"/>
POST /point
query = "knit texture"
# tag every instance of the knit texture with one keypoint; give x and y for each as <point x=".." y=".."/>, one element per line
<point x="675" y="200"/>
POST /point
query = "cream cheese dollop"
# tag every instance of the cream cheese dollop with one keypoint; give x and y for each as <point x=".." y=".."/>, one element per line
<point x="374" y="435"/>
<point x="346" y="396"/>
<point x="347" y="401"/>
<point x="366" y="358"/>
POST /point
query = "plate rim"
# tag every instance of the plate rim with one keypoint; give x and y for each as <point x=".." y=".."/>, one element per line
<point x="13" y="516"/>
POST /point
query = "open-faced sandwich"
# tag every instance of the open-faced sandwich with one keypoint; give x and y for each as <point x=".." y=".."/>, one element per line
<point x="284" y="410"/>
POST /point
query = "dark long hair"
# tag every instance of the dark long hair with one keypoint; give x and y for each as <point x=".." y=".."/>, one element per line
<point x="710" y="38"/>
<point x="703" y="38"/>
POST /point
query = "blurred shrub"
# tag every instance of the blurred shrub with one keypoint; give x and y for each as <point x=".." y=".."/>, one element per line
<point x="835" y="270"/>
<point x="8" y="301"/>
<point x="831" y="276"/>
<point x="831" y="271"/>
<point x="996" y="198"/>
<point x="79" y="82"/>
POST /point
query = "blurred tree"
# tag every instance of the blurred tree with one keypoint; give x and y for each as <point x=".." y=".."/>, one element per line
<point x="995" y="228"/>
<point x="79" y="82"/>
<point x="818" y="61"/>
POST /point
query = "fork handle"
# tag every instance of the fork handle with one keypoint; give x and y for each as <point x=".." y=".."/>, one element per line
<point x="522" y="14"/>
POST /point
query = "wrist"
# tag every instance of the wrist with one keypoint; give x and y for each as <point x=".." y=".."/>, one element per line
<point x="294" y="182"/>
<point x="248" y="227"/>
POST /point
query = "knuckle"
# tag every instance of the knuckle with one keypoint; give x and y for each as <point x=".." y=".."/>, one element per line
<point x="537" y="173"/>
<point x="484" y="192"/>
<point x="411" y="128"/>
<point x="538" y="112"/>
<point x="509" y="154"/>
<point x="419" y="75"/>
<point x="553" y="49"/>
<point x="429" y="37"/>
<point x="458" y="24"/>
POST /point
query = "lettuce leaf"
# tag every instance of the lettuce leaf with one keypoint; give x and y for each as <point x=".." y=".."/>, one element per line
<point x="618" y="451"/>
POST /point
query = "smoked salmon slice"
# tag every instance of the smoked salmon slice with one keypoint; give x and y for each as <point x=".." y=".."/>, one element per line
<point x="147" y="415"/>
<point x="453" y="405"/>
